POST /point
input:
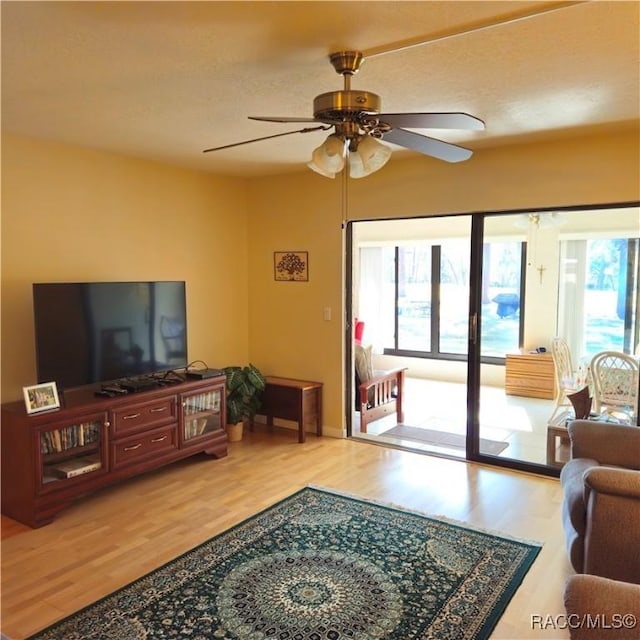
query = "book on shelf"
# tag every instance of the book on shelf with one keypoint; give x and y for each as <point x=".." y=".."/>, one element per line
<point x="209" y="401"/>
<point x="194" y="427"/>
<point x="76" y="466"/>
<point x="202" y="425"/>
<point x="79" y="435"/>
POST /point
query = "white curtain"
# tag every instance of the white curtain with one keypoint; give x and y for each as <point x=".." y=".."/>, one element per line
<point x="573" y="261"/>
<point x="372" y="306"/>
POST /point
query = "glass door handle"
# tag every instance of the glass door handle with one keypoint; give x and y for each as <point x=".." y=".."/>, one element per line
<point x="473" y="328"/>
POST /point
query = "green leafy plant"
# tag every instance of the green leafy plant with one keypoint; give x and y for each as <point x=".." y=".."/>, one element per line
<point x="244" y="392"/>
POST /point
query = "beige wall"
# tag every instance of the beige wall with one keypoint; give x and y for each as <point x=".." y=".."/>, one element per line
<point x="571" y="171"/>
<point x="72" y="214"/>
<point x="288" y="335"/>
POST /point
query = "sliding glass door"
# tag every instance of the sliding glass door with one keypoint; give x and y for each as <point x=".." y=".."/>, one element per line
<point x="470" y="306"/>
<point x="513" y="390"/>
<point x="571" y="275"/>
<point x="411" y="290"/>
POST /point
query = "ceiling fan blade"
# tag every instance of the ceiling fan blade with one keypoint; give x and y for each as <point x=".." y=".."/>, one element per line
<point x="275" y="135"/>
<point x="428" y="146"/>
<point x="285" y="119"/>
<point x="433" y="121"/>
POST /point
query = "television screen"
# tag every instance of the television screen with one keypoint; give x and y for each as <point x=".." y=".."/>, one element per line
<point x="89" y="332"/>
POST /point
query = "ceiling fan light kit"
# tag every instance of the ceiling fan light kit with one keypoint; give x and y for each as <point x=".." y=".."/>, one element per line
<point x="370" y="156"/>
<point x="359" y="126"/>
<point x="366" y="155"/>
<point x="328" y="158"/>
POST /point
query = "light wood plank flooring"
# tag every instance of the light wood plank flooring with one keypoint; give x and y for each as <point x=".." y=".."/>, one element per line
<point x="114" y="536"/>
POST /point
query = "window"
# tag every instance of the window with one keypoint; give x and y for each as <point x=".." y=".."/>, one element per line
<point x="502" y="288"/>
<point x="420" y="306"/>
<point x="414" y="297"/>
<point x="598" y="308"/>
<point x="573" y="274"/>
<point x="453" y="325"/>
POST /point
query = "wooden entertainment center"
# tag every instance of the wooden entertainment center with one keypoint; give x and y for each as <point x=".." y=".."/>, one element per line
<point x="52" y="458"/>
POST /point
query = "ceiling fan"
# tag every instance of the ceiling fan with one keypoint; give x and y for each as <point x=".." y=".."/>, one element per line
<point x="359" y="126"/>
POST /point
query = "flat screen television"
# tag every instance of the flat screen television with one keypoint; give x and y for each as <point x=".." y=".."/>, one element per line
<point x="97" y="332"/>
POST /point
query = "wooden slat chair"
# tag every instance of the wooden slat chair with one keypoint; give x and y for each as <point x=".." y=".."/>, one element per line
<point x="378" y="393"/>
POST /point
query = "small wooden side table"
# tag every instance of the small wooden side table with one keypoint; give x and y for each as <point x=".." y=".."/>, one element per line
<point x="297" y="400"/>
<point x="555" y="432"/>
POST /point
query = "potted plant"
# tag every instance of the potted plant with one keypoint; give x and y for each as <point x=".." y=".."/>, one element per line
<point x="243" y="397"/>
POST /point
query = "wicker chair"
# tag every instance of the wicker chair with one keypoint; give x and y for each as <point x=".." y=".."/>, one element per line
<point x="615" y="384"/>
<point x="565" y="376"/>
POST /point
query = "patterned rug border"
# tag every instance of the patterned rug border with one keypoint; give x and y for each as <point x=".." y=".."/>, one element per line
<point x="484" y="632"/>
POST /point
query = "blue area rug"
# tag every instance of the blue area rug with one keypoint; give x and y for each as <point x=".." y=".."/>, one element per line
<point x="318" y="566"/>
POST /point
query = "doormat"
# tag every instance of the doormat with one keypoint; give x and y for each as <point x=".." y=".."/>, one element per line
<point x="319" y="566"/>
<point x="443" y="439"/>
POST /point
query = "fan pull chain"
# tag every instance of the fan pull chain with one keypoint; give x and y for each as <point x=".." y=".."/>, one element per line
<point x="345" y="195"/>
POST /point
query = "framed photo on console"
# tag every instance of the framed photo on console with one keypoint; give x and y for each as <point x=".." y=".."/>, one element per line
<point x="41" y="397"/>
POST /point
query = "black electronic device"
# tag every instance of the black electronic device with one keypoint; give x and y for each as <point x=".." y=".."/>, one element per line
<point x="100" y="332"/>
<point x="114" y="389"/>
<point x="142" y="384"/>
<point x="104" y="393"/>
<point x="202" y="374"/>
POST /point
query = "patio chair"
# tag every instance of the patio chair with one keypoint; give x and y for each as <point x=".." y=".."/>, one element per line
<point x="615" y="383"/>
<point x="565" y="376"/>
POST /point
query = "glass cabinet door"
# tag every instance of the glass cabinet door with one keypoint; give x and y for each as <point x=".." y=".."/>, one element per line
<point x="201" y="413"/>
<point x="72" y="450"/>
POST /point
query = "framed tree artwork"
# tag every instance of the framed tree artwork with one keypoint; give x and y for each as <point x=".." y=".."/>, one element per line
<point x="291" y="266"/>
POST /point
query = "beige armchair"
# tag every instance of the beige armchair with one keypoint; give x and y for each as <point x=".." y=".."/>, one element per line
<point x="601" y="502"/>
<point x="602" y="609"/>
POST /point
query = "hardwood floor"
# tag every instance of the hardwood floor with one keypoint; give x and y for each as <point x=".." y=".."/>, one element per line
<point x="114" y="536"/>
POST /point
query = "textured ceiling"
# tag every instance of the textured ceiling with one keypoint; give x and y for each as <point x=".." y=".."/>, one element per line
<point x="165" y="80"/>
